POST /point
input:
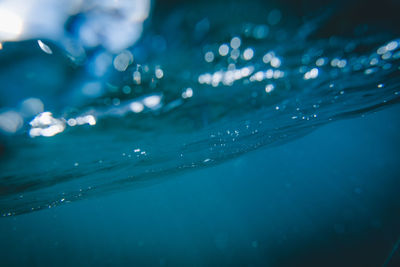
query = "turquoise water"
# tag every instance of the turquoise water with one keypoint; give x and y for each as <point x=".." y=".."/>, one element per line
<point x="325" y="199"/>
<point x="229" y="133"/>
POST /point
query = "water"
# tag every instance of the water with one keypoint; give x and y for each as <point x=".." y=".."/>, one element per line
<point x="208" y="91"/>
<point x="325" y="196"/>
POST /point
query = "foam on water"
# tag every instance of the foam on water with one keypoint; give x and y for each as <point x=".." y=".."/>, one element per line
<point x="188" y="97"/>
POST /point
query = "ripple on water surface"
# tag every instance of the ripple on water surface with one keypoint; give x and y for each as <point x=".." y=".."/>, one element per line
<point x="216" y="95"/>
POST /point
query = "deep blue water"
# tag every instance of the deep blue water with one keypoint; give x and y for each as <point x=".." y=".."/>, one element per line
<point x="199" y="133"/>
<point x="325" y="199"/>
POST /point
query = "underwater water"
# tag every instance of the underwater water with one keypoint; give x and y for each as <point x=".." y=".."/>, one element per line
<point x="229" y="133"/>
<point x="326" y="199"/>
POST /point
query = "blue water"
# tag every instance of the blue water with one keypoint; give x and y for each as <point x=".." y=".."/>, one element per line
<point x="229" y="133"/>
<point x="326" y="198"/>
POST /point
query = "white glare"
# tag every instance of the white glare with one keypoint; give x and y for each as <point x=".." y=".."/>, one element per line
<point x="392" y="45"/>
<point x="88" y="119"/>
<point x="123" y="60"/>
<point x="235" y="42"/>
<point x="248" y="54"/>
<point x="269" y="88"/>
<point x="152" y="101"/>
<point x="268" y="57"/>
<point x="137" y="77"/>
<point x="11" y="25"/>
<point x="136" y="107"/>
<point x="276" y="62"/>
<point x="223" y="50"/>
<point x="159" y="73"/>
<point x="45" y="48"/>
<point x="188" y="93"/>
<point x="45" y="125"/>
<point x="226" y="77"/>
<point x="312" y="74"/>
<point x="71" y="122"/>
